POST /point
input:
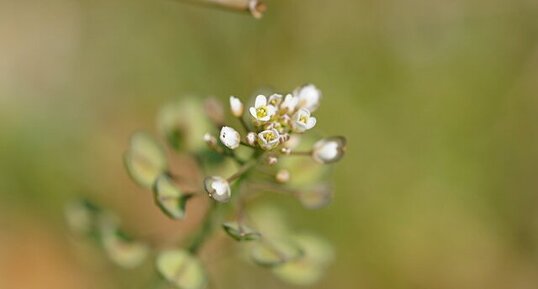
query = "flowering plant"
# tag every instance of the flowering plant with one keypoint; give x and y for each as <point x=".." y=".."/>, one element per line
<point x="272" y="153"/>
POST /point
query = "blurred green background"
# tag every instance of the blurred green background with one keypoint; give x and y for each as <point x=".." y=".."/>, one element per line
<point x="438" y="99"/>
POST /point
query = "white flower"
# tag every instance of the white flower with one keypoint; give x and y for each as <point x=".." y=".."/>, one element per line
<point x="308" y="97"/>
<point x="261" y="110"/>
<point x="302" y="120"/>
<point x="275" y="99"/>
<point x="229" y="137"/>
<point x="329" y="150"/>
<point x="289" y="103"/>
<point x="236" y="106"/>
<point x="218" y="188"/>
<point x="269" y="139"/>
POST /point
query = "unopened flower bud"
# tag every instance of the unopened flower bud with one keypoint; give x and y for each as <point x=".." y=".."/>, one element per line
<point x="251" y="138"/>
<point x="329" y="150"/>
<point x="218" y="188"/>
<point x="283" y="176"/>
<point x="236" y="106"/>
<point x="230" y="137"/>
<point x="285" y="150"/>
<point x="272" y="160"/>
<point x="210" y="140"/>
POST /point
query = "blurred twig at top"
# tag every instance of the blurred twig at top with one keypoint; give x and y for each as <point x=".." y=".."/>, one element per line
<point x="255" y="7"/>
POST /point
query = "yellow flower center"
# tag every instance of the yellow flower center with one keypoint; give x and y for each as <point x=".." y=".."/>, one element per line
<point x="270" y="136"/>
<point x="303" y="119"/>
<point x="261" y="112"/>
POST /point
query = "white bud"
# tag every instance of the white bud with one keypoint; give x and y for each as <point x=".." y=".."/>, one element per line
<point x="285" y="150"/>
<point x="218" y="188"/>
<point x="236" y="106"/>
<point x="283" y="176"/>
<point x="251" y="138"/>
<point x="230" y="137"/>
<point x="329" y="150"/>
<point x="272" y="160"/>
<point x="210" y="140"/>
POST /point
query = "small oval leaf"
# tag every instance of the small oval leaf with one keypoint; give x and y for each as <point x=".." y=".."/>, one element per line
<point x="240" y="232"/>
<point x="183" y="124"/>
<point x="272" y="253"/>
<point x="81" y="216"/>
<point x="182" y="269"/>
<point x="144" y="159"/>
<point x="121" y="248"/>
<point x="169" y="197"/>
<point x="125" y="253"/>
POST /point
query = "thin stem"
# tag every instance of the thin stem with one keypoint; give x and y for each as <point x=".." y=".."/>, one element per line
<point x="234" y="156"/>
<point x="244" y="123"/>
<point x="301" y="153"/>
<point x="245" y="168"/>
<point x="255" y="7"/>
<point x="205" y="231"/>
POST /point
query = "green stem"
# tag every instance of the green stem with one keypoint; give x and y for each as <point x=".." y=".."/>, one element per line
<point x="204" y="232"/>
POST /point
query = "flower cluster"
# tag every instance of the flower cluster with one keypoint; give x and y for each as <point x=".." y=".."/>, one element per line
<point x="276" y="122"/>
<point x="273" y="153"/>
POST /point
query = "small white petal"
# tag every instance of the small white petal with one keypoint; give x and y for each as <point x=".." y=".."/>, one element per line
<point x="230" y="137"/>
<point x="311" y="122"/>
<point x="236" y="106"/>
<point x="252" y="111"/>
<point x="261" y="100"/>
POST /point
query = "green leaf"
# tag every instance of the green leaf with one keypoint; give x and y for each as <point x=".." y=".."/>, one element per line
<point x="182" y="269"/>
<point x="169" y="197"/>
<point x="240" y="232"/>
<point x="81" y="216"/>
<point x="317" y="197"/>
<point x="308" y="269"/>
<point x="269" y="219"/>
<point x="272" y="253"/>
<point x="184" y="124"/>
<point x="144" y="159"/>
<point x="121" y="248"/>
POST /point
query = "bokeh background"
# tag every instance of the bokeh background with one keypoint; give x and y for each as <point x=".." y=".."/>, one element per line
<point x="438" y="99"/>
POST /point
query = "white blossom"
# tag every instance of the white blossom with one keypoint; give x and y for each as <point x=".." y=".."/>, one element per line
<point x="236" y="106"/>
<point x="329" y="150"/>
<point x="218" y="188"/>
<point x="261" y="110"/>
<point x="275" y="99"/>
<point x="289" y="103"/>
<point x="230" y="137"/>
<point x="308" y="97"/>
<point x="269" y="139"/>
<point x="302" y="120"/>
